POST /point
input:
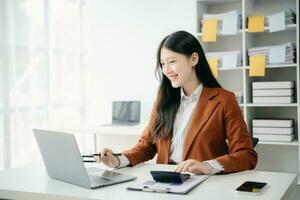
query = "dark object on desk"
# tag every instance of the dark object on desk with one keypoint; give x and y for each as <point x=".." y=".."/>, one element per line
<point x="169" y="177"/>
<point x="251" y="188"/>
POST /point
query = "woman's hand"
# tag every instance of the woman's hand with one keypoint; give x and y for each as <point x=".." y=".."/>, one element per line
<point x="106" y="157"/>
<point x="194" y="166"/>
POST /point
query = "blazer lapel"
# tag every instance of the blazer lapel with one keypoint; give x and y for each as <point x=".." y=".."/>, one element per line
<point x="203" y="110"/>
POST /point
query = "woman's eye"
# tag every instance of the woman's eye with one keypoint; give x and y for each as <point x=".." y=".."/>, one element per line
<point x="172" y="61"/>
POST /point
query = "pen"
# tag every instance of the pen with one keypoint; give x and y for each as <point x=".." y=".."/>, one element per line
<point x="99" y="154"/>
<point x="89" y="161"/>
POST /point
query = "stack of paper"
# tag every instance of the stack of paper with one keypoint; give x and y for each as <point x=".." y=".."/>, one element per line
<point x="228" y="23"/>
<point x="288" y="14"/>
<point x="274" y="22"/>
<point x="277" y="54"/>
<point x="279" y="130"/>
<point x="226" y="59"/>
<point x="273" y="92"/>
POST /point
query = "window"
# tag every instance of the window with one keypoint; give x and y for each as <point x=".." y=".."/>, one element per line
<point x="42" y="72"/>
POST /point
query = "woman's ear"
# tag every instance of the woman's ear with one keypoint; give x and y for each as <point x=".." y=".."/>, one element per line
<point x="194" y="59"/>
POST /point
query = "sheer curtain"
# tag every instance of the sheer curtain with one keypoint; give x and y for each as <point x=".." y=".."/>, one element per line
<point x="43" y="72"/>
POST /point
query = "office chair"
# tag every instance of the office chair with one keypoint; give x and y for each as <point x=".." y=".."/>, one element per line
<point x="254" y="141"/>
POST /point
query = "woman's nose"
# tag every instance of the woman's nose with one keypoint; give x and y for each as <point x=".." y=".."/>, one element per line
<point x="167" y="69"/>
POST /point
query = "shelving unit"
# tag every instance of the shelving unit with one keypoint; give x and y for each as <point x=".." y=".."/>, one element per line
<point x="243" y="82"/>
<point x="293" y="143"/>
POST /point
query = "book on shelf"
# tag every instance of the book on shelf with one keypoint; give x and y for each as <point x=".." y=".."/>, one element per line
<point x="273" y="130"/>
<point x="278" y="21"/>
<point x="273" y="22"/>
<point x="225" y="21"/>
<point x="289" y="99"/>
<point x="275" y="138"/>
<point x="272" y="122"/>
<point x="226" y="59"/>
<point x="289" y="15"/>
<point x="276" y="54"/>
<point x="273" y="85"/>
<point x="272" y="92"/>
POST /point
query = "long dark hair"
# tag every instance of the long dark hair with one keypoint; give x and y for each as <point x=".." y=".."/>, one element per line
<point x="168" y="99"/>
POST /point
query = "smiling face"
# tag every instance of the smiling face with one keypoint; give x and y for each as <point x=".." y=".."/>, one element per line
<point x="178" y="68"/>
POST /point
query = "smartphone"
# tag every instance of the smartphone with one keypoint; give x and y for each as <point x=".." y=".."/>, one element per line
<point x="251" y="188"/>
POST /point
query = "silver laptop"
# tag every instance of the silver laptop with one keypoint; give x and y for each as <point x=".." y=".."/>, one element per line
<point x="125" y="113"/>
<point x="63" y="161"/>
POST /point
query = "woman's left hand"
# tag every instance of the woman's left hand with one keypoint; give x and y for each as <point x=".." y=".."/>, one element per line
<point x="194" y="166"/>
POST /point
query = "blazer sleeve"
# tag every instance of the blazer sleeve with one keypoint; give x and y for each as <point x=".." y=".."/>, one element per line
<point x="242" y="155"/>
<point x="145" y="149"/>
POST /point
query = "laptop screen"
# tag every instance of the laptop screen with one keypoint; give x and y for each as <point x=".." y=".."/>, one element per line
<point x="126" y="112"/>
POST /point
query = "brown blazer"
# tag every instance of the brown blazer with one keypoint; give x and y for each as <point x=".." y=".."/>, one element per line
<point x="217" y="117"/>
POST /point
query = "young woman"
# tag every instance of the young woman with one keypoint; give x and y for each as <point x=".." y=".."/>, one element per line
<point x="194" y="123"/>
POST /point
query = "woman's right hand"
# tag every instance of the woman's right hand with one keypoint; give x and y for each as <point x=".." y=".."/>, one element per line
<point x="106" y="157"/>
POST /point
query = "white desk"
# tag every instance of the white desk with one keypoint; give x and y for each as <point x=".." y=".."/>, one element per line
<point x="31" y="182"/>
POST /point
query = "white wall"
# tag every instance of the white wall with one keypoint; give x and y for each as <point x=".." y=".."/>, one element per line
<point x="123" y="38"/>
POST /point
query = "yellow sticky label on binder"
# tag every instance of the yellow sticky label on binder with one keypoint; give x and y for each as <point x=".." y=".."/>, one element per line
<point x="209" y="30"/>
<point x="213" y="64"/>
<point x="257" y="65"/>
<point x="256" y="23"/>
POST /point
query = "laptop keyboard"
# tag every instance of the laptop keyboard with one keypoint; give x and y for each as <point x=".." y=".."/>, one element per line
<point x="97" y="180"/>
<point x="100" y="177"/>
<point x="96" y="177"/>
